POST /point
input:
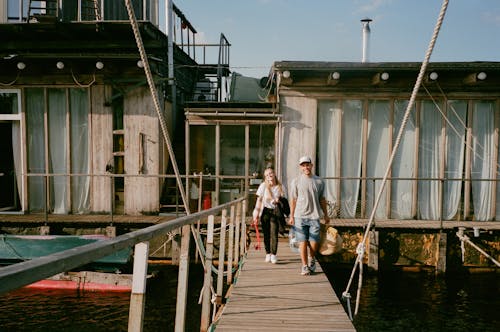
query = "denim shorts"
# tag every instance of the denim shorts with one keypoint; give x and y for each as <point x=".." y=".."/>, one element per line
<point x="306" y="229"/>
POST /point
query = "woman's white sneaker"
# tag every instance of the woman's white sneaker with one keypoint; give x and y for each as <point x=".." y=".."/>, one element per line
<point x="268" y="258"/>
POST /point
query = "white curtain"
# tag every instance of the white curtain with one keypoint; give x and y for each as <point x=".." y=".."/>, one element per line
<point x="57" y="150"/>
<point x="329" y="113"/>
<point x="352" y="118"/>
<point x="377" y="156"/>
<point x="36" y="148"/>
<point x="455" y="154"/>
<point x="429" y="161"/>
<point x="80" y="185"/>
<point x="58" y="141"/>
<point x="403" y="164"/>
<point x="483" y="129"/>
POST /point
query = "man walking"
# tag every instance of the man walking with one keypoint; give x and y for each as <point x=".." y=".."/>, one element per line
<point x="307" y="201"/>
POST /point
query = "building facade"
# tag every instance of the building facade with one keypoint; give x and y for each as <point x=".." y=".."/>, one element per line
<point x="349" y="117"/>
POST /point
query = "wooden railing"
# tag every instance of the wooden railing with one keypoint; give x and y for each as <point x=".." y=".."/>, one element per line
<point x="232" y="239"/>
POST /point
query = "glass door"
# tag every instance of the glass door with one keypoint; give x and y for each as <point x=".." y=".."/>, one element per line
<point x="10" y="151"/>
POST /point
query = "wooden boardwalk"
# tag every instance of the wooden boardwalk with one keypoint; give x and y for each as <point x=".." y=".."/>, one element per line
<point x="276" y="297"/>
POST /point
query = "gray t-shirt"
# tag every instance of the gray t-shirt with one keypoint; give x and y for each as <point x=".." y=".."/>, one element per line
<point x="308" y="190"/>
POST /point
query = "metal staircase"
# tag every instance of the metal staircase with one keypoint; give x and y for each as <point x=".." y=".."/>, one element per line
<point x="210" y="87"/>
<point x="40" y="10"/>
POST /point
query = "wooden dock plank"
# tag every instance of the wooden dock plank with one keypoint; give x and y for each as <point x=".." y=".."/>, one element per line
<point x="276" y="297"/>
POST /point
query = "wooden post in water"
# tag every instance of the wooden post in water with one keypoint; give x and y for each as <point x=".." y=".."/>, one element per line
<point x="441" y="253"/>
<point x="207" y="284"/>
<point x="230" y="248"/>
<point x="373" y="250"/>
<point x="182" y="281"/>
<point x="138" y="296"/>
<point x="176" y="246"/>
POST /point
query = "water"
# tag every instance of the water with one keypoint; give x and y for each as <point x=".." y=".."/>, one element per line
<point x="408" y="301"/>
<point x="57" y="310"/>
<point x="390" y="301"/>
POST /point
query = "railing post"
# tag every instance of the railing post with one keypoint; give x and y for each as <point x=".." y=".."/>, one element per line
<point x="222" y="257"/>
<point x="243" y="238"/>
<point x="207" y="284"/>
<point x="230" y="248"/>
<point x="237" y="235"/>
<point x="137" y="298"/>
<point x="182" y="281"/>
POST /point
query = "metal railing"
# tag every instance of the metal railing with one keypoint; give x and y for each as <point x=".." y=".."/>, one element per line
<point x="369" y="186"/>
<point x="232" y="224"/>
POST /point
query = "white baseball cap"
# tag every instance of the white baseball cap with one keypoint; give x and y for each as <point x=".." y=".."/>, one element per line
<point x="305" y="159"/>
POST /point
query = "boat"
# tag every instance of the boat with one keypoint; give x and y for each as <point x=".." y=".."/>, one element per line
<point x="104" y="274"/>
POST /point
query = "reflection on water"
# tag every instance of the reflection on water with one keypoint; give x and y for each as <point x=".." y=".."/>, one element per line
<point x="407" y="301"/>
<point x="390" y="301"/>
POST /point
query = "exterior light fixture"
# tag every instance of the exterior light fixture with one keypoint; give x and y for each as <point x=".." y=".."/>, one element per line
<point x="380" y="78"/>
<point x="60" y="65"/>
<point x="333" y="78"/>
<point x="475" y="78"/>
<point x="140" y="64"/>
<point x="286" y="77"/>
<point x="481" y="76"/>
<point x="21" y="65"/>
<point x="99" y="65"/>
<point x="433" y="76"/>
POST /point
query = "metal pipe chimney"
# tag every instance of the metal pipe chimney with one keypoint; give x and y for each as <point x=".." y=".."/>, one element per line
<point x="366" y="36"/>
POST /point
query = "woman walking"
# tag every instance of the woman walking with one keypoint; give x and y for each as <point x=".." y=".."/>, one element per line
<point x="268" y="195"/>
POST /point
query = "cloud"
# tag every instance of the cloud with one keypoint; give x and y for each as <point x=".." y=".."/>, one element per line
<point x="492" y="18"/>
<point x="371" y="5"/>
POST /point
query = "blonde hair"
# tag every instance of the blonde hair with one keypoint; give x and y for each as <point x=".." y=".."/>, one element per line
<point x="278" y="183"/>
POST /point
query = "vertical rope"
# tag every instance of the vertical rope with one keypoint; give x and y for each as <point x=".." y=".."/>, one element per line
<point x="420" y="77"/>
<point x="154" y="95"/>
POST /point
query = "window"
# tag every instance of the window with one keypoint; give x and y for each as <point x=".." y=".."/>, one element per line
<point x="57" y="145"/>
<point x="428" y="179"/>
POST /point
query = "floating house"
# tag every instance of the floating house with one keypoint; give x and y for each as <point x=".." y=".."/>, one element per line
<point x="80" y="130"/>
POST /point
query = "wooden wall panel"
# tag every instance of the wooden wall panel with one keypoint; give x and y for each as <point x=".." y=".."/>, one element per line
<point x="142" y="157"/>
<point x="102" y="149"/>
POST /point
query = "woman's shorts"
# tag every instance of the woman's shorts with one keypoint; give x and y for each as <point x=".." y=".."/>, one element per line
<point x="307" y="229"/>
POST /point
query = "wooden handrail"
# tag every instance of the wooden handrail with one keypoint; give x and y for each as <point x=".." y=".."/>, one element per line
<point x="24" y="273"/>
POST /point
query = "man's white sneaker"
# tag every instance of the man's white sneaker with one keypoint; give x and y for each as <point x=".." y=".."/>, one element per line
<point x="274" y="259"/>
<point x="268" y="258"/>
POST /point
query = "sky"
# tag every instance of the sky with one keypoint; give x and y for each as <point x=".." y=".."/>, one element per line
<point x="264" y="31"/>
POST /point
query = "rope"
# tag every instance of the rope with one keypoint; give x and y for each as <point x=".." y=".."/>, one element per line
<point x="80" y="84"/>
<point x="154" y="95"/>
<point x="11" y="82"/>
<point x="11" y="248"/>
<point x="455" y="130"/>
<point x="170" y="237"/>
<point x="420" y="77"/>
